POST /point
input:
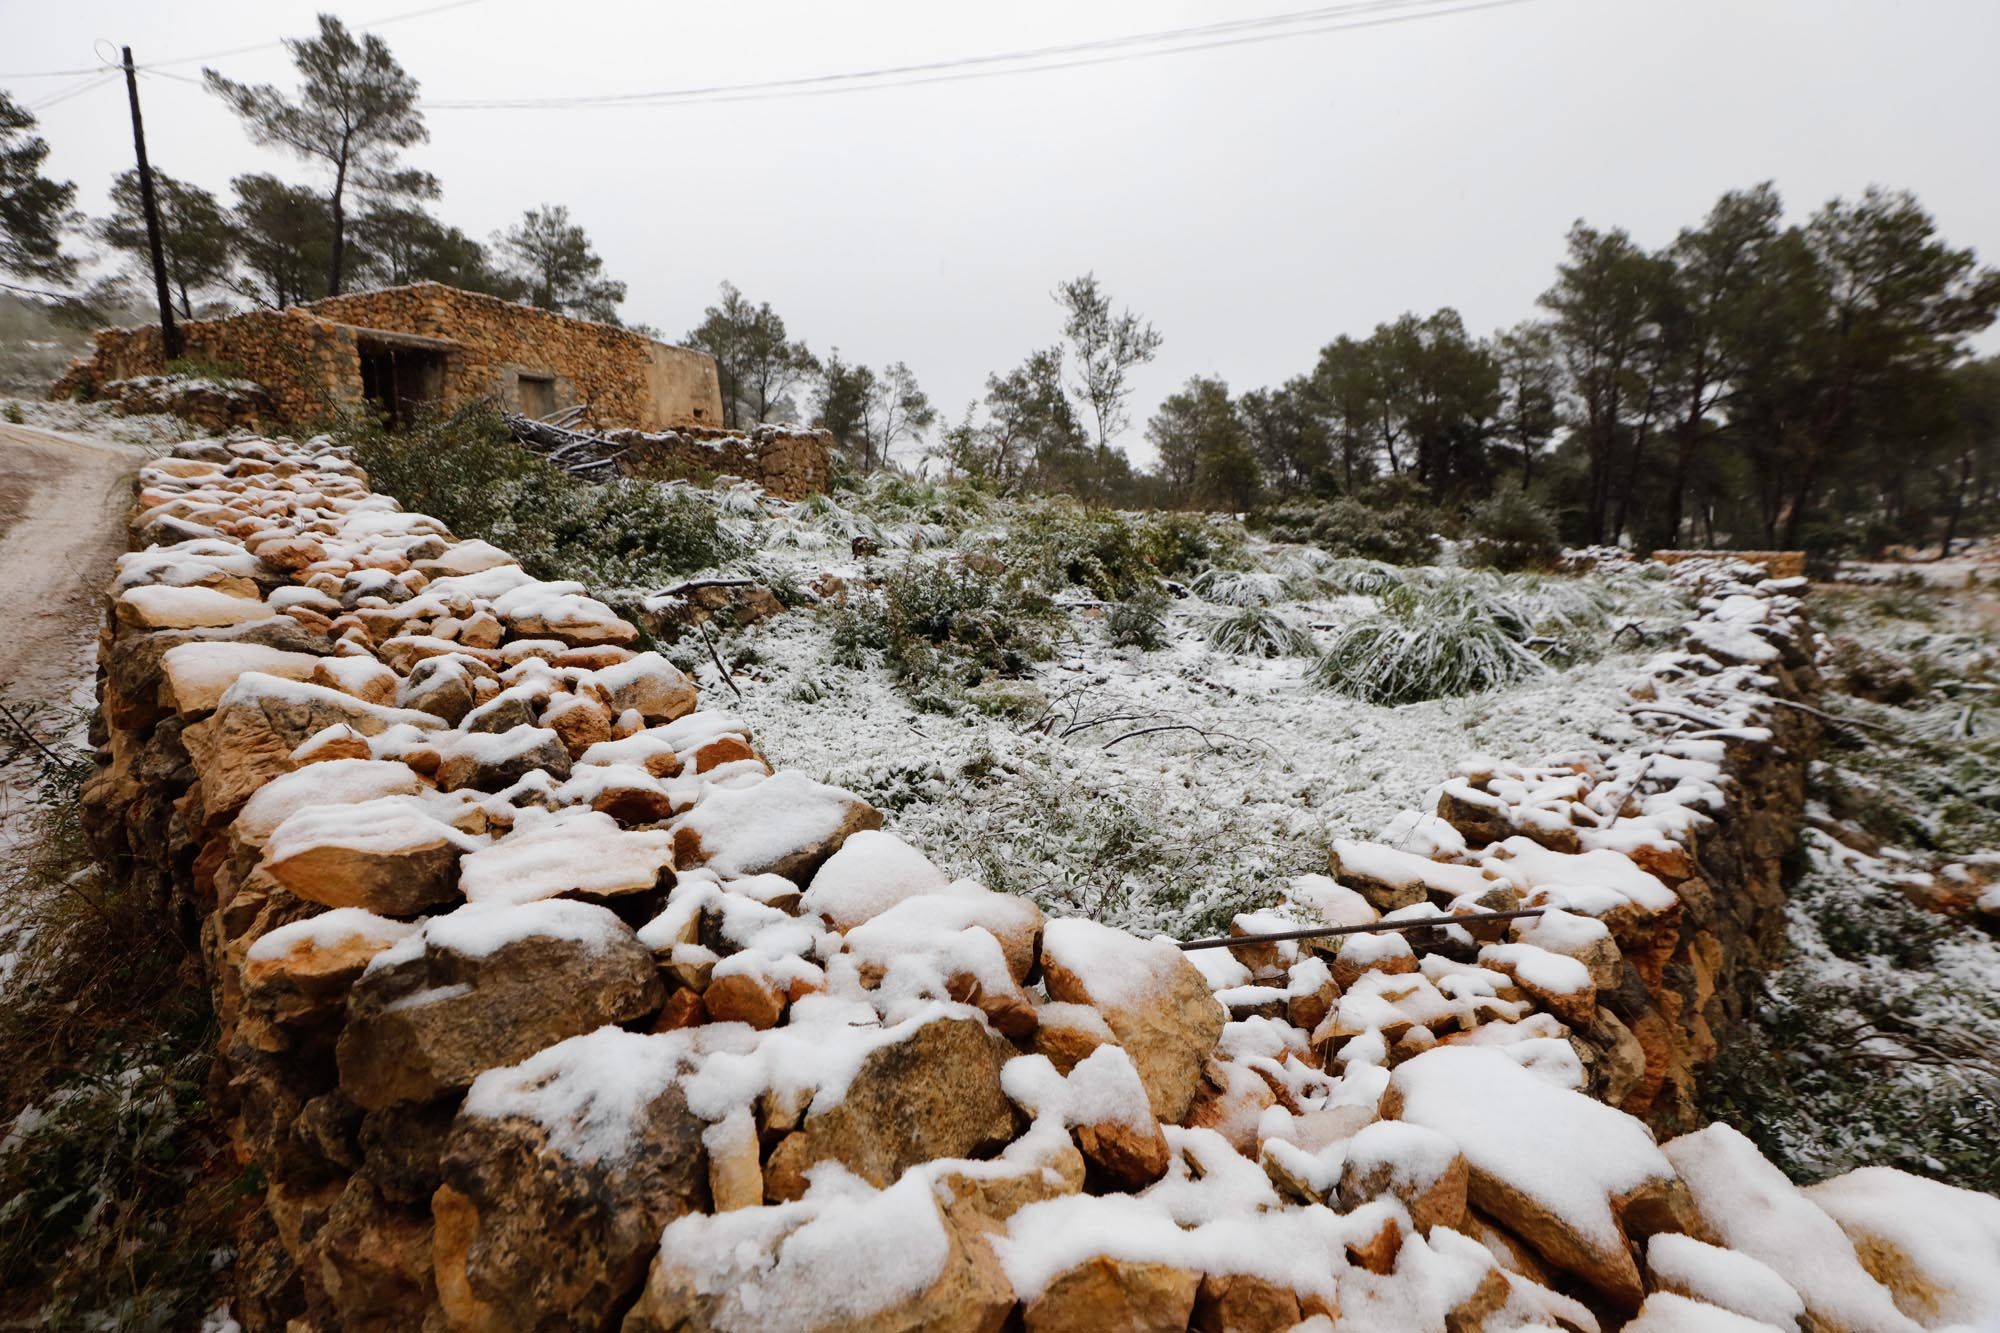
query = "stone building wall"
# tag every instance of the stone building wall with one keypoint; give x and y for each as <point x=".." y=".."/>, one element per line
<point x="526" y="359"/>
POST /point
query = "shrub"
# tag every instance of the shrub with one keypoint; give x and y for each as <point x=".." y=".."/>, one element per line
<point x="1140" y="620"/>
<point x="465" y="471"/>
<point x="1511" y="532"/>
<point x="1258" y="631"/>
<point x="1418" y="650"/>
<point x="1180" y="545"/>
<point x="960" y="624"/>
<point x="1400" y="533"/>
<point x="1057" y="542"/>
<point x="14" y="414"/>
<point x="619" y="534"/>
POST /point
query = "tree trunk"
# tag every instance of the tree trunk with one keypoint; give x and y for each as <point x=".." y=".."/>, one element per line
<point x="1631" y="478"/>
<point x="1957" y="504"/>
<point x="339" y="259"/>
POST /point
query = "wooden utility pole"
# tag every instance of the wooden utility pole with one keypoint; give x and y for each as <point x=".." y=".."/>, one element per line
<point x="170" y="337"/>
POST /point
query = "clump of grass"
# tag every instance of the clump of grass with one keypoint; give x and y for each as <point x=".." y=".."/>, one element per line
<point x="1258" y="631"/>
<point x="1355" y="577"/>
<point x="1234" y="587"/>
<point x="1424" y="651"/>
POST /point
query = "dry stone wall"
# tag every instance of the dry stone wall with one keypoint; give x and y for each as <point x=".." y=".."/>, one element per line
<point x="789" y="463"/>
<point x="545" y="1003"/>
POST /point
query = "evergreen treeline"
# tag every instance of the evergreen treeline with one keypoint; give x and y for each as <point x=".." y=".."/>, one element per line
<point x="1751" y="383"/>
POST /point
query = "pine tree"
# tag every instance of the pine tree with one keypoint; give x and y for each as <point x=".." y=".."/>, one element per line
<point x="556" y="268"/>
<point x="758" y="365"/>
<point x="196" y="235"/>
<point x="34" y="210"/>
<point x="356" y="108"/>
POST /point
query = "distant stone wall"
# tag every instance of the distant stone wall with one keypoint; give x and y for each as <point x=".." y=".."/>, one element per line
<point x="790" y="464"/>
<point x="309" y="358"/>
<point x="1777" y="564"/>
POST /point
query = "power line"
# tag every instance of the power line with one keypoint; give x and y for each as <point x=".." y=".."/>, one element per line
<point x="236" y="50"/>
<point x="87" y="85"/>
<point x="1069" y="55"/>
<point x="265" y="46"/>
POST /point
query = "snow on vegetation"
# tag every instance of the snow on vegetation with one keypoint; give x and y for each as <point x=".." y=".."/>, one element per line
<point x="1873" y="1039"/>
<point x="1156" y="787"/>
<point x="823" y="1076"/>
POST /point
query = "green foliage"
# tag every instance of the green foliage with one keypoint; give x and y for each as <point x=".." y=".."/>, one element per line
<point x="1405" y="657"/>
<point x="202" y="368"/>
<point x="1356" y="577"/>
<point x="1058" y="542"/>
<point x="555" y="266"/>
<point x="1233" y="587"/>
<point x="197" y="238"/>
<point x="1400" y="533"/>
<point x="284" y="240"/>
<point x="757" y="364"/>
<point x="33" y="209"/>
<point x="1445" y="632"/>
<point x="355" y="109"/>
<point x="1140" y="620"/>
<point x="1510" y="532"/>
<point x="114" y="1197"/>
<point x="14" y="414"/>
<point x="1180" y="545"/>
<point x="1851" y="1062"/>
<point x="949" y="624"/>
<point x="465" y="471"/>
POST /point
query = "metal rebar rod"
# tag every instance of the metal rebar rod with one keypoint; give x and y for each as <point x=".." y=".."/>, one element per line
<point x="1314" y="932"/>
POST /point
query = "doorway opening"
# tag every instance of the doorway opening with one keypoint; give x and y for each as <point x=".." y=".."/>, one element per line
<point x="398" y="379"/>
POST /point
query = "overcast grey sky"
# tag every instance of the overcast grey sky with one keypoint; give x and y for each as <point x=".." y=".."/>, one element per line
<point x="1254" y="201"/>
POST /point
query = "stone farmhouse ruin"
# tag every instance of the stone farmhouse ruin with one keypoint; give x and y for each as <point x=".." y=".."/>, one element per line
<point x="405" y="347"/>
<point x="401" y="350"/>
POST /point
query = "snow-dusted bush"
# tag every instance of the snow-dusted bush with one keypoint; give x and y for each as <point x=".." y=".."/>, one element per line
<point x="956" y="623"/>
<point x="1258" y="631"/>
<point x="1510" y="532"/>
<point x="1395" y="526"/>
<point x="1418" y="650"/>
<point x="465" y="471"/>
<point x="1140" y="620"/>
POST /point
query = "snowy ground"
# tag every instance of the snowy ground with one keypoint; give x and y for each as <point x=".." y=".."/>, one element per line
<point x="1876" y="1045"/>
<point x="1174" y="830"/>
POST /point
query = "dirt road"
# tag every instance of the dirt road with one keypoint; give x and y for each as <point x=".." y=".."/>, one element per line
<point x="62" y="501"/>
